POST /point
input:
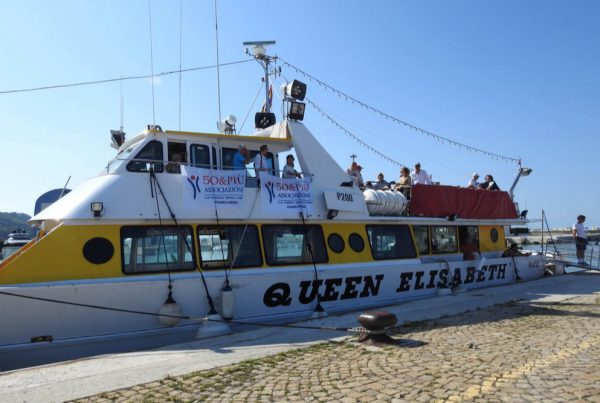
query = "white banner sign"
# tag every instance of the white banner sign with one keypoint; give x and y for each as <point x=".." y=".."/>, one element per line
<point x="285" y="195"/>
<point x="203" y="188"/>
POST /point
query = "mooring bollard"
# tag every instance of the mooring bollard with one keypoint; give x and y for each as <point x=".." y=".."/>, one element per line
<point x="377" y="323"/>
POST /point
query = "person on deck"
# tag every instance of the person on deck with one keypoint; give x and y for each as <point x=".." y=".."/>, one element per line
<point x="489" y="183"/>
<point x="381" y="184"/>
<point x="240" y="159"/>
<point x="474" y="182"/>
<point x="354" y="174"/>
<point x="419" y="176"/>
<point x="405" y="182"/>
<point x="580" y="239"/>
<point x="288" y="170"/>
<point x="469" y="248"/>
<point x="261" y="162"/>
<point x="513" y="251"/>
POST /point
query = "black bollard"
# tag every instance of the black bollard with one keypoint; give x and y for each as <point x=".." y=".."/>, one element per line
<point x="377" y="323"/>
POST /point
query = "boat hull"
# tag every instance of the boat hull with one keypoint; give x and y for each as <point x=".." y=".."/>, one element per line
<point x="273" y="295"/>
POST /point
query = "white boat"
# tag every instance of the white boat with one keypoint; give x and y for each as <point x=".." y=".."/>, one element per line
<point x="149" y="235"/>
<point x="15" y="241"/>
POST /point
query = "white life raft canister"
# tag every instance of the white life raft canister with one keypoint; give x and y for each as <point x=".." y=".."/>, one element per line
<point x="384" y="202"/>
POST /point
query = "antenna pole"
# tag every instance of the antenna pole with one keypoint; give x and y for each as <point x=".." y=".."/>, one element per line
<point x="260" y="54"/>
<point x="122" y="105"/>
<point x="218" y="66"/>
<point x="266" y="67"/>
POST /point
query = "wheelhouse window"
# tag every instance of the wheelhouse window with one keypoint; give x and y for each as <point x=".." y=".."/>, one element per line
<point x="422" y="239"/>
<point x="292" y="244"/>
<point x="220" y="246"/>
<point x="150" y="155"/>
<point x="176" y="157"/>
<point x="156" y="249"/>
<point x="200" y="156"/>
<point x="444" y="239"/>
<point x="391" y="242"/>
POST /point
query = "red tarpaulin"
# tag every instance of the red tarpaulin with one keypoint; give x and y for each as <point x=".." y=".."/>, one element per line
<point x="441" y="201"/>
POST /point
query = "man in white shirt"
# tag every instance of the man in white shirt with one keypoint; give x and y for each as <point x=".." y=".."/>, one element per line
<point x="261" y="162"/>
<point x="580" y="239"/>
<point x="474" y="183"/>
<point x="419" y="176"/>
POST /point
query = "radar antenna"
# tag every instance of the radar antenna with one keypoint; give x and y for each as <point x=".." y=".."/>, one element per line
<point x="259" y="52"/>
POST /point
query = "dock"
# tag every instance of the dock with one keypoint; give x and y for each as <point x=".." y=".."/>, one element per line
<point x="532" y="338"/>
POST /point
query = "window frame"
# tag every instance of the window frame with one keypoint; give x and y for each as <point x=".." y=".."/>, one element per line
<point x="181" y="248"/>
<point x="303" y="229"/>
<point x="212" y="156"/>
<point x="428" y="239"/>
<point x="228" y="265"/>
<point x="160" y="163"/>
<point x="406" y="227"/>
<point x="456" y="240"/>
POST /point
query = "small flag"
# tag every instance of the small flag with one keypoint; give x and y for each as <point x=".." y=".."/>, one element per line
<point x="270" y="100"/>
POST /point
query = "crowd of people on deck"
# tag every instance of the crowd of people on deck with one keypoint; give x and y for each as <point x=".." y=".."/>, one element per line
<point x="408" y="179"/>
<point x="404" y="184"/>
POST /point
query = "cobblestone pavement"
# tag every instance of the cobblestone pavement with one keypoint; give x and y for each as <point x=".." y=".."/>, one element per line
<point x="513" y="352"/>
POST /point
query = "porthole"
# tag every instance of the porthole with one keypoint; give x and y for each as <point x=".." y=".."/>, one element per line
<point x="356" y="242"/>
<point x="98" y="250"/>
<point x="336" y="243"/>
<point x="494" y="235"/>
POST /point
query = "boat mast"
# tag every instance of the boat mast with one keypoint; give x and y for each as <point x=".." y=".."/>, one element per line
<point x="260" y="55"/>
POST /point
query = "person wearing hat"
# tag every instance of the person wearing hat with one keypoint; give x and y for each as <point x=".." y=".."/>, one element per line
<point x="261" y="161"/>
<point x="419" y="176"/>
<point x="473" y="182"/>
<point x="580" y="239"/>
<point x="240" y="159"/>
<point x="288" y="170"/>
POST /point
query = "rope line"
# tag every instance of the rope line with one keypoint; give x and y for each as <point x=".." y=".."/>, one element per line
<point x="187" y="317"/>
<point x="109" y="80"/>
<point x="399" y="121"/>
<point x="353" y="136"/>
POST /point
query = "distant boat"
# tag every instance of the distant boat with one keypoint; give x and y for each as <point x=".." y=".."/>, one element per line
<point x="15" y="241"/>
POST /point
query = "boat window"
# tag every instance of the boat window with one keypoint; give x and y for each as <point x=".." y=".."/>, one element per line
<point x="336" y="243"/>
<point x="219" y="246"/>
<point x="200" y="156"/>
<point x="391" y="242"/>
<point x="356" y="242"/>
<point x="443" y="239"/>
<point x="468" y="234"/>
<point x="176" y="156"/>
<point x="422" y="238"/>
<point x="151" y="154"/>
<point x="227" y="155"/>
<point x="494" y="236"/>
<point x="156" y="249"/>
<point x="289" y="244"/>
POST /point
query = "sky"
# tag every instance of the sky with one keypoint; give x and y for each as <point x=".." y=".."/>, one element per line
<point x="517" y="78"/>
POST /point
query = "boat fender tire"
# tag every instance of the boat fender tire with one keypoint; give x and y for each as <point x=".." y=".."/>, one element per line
<point x="227" y="303"/>
<point x="169" y="308"/>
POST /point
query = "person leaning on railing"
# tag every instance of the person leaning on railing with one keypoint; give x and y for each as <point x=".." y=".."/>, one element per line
<point x="288" y="170"/>
<point x="405" y="182"/>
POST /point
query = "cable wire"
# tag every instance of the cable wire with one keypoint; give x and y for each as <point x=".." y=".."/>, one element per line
<point x="352" y="135"/>
<point x="399" y="121"/>
<point x="110" y="80"/>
